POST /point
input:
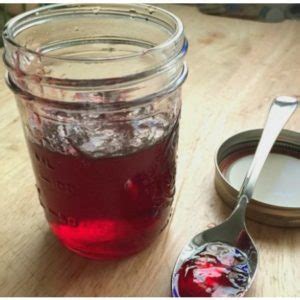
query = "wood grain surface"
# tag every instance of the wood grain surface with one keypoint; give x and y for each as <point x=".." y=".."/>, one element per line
<point x="236" y="68"/>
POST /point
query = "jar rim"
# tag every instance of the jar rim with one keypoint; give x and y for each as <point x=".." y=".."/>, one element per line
<point x="8" y="35"/>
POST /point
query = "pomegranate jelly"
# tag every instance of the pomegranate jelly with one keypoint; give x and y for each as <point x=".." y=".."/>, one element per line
<point x="216" y="270"/>
<point x="108" y="207"/>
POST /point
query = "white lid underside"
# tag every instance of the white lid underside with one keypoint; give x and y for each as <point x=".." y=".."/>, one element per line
<point x="278" y="183"/>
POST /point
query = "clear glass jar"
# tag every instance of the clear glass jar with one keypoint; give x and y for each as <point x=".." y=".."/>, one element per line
<point x="98" y="90"/>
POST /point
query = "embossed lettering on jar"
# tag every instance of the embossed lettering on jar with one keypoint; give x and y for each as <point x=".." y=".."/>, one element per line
<point x="98" y="90"/>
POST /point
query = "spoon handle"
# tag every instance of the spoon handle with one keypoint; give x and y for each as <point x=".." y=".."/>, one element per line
<point x="281" y="110"/>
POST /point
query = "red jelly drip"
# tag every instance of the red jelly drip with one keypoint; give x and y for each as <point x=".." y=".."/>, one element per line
<point x="107" y="207"/>
<point x="218" y="270"/>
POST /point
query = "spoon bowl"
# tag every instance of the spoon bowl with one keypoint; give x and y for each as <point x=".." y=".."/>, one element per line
<point x="231" y="232"/>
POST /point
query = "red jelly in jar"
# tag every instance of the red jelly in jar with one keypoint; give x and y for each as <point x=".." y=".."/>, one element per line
<point x="216" y="270"/>
<point x="107" y="207"/>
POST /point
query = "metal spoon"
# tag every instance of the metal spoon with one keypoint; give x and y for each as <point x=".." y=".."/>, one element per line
<point x="233" y="230"/>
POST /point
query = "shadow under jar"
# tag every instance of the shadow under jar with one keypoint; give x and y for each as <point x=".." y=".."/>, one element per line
<point x="98" y="90"/>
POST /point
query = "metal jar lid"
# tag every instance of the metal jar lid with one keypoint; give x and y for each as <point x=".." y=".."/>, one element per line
<point x="241" y="145"/>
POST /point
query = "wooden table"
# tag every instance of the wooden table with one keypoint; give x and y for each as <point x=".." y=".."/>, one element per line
<point x="236" y="68"/>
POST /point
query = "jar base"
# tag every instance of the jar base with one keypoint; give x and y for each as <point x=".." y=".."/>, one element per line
<point x="92" y="247"/>
<point x="105" y="256"/>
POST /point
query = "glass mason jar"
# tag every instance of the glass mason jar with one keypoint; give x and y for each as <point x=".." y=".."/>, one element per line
<point x="98" y="90"/>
